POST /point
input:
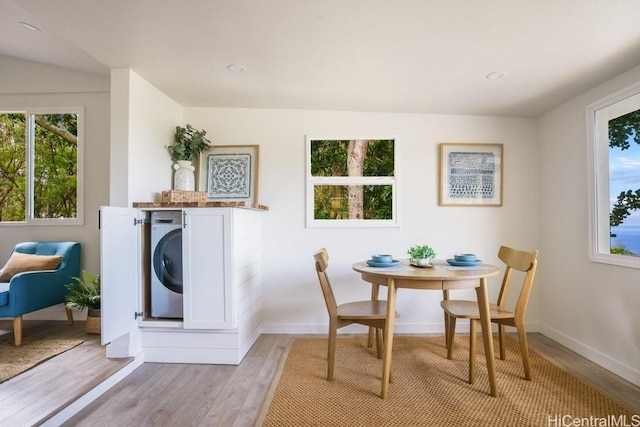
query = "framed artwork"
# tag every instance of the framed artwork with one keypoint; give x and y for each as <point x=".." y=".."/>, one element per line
<point x="229" y="173"/>
<point x="470" y="174"/>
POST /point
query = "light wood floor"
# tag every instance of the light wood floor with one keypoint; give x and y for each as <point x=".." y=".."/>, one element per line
<point x="41" y="392"/>
<point x="201" y="395"/>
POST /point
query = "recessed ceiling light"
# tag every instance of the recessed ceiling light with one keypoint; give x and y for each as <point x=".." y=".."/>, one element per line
<point x="237" y="68"/>
<point x="30" y="27"/>
<point x="496" y="75"/>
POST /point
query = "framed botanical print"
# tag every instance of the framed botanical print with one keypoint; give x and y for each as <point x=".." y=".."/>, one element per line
<point x="470" y="174"/>
<point x="229" y="173"/>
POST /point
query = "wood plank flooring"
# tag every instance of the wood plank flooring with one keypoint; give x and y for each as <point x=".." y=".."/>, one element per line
<point x="39" y="393"/>
<point x="208" y="395"/>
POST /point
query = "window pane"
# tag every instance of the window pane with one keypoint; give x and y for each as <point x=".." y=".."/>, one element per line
<point x="363" y="157"/>
<point x="624" y="183"/>
<point x="13" y="167"/>
<point x="55" y="179"/>
<point x="353" y="202"/>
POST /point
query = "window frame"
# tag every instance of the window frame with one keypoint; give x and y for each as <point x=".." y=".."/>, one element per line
<point x="598" y="174"/>
<point x="30" y="147"/>
<point x="312" y="182"/>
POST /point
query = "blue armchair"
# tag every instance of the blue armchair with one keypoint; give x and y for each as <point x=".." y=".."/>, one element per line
<point x="29" y="291"/>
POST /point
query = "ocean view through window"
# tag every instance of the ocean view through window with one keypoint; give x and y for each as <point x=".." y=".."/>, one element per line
<point x="614" y="167"/>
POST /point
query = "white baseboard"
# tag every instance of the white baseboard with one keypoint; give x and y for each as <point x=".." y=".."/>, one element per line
<point x="627" y="372"/>
<point x="462" y="326"/>
<point x="319" y="329"/>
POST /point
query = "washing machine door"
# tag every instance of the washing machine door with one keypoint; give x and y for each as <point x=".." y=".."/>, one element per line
<point x="167" y="260"/>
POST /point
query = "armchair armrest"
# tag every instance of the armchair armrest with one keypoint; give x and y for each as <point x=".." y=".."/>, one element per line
<point x="33" y="290"/>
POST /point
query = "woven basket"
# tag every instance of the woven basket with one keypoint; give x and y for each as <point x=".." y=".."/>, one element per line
<point x="169" y="196"/>
<point x="93" y="323"/>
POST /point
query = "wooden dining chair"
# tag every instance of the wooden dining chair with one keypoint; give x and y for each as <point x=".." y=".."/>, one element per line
<point x="525" y="262"/>
<point x="369" y="313"/>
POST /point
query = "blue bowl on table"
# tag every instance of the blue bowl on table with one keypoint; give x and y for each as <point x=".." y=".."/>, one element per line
<point x="465" y="257"/>
<point x="382" y="258"/>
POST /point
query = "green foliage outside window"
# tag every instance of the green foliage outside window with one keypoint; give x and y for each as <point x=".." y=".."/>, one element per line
<point x="13" y="167"/>
<point x="330" y="158"/>
<point x="55" y="165"/>
<point x="622" y="130"/>
<point x="332" y="202"/>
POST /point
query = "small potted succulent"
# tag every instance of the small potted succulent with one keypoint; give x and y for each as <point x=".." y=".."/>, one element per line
<point x="421" y="254"/>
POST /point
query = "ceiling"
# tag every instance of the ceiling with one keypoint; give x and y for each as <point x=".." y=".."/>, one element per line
<point x="408" y="56"/>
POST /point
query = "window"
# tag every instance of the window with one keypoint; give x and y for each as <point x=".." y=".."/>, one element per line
<point x="41" y="167"/>
<point x="614" y="125"/>
<point x="352" y="182"/>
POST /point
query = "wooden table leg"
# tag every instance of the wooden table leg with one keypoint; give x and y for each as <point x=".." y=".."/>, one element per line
<point x="388" y="336"/>
<point x="485" y="321"/>
<point x="445" y="297"/>
<point x="374" y="297"/>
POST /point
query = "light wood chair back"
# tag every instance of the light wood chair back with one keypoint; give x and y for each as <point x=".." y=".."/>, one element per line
<point x="523" y="261"/>
<point x="526" y="262"/>
<point x="322" y="263"/>
<point x="372" y="313"/>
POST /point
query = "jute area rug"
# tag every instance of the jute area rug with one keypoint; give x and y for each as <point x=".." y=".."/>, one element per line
<point x="428" y="389"/>
<point x="16" y="360"/>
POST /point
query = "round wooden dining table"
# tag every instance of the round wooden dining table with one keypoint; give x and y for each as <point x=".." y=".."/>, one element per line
<point x="442" y="277"/>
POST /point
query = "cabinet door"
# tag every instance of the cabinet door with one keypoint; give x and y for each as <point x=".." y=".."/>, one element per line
<point x="119" y="272"/>
<point x="207" y="281"/>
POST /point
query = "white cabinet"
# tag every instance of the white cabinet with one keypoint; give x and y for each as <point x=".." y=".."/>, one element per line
<point x="207" y="267"/>
<point x="221" y="286"/>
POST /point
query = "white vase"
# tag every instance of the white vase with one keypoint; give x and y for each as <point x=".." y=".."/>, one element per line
<point x="184" y="179"/>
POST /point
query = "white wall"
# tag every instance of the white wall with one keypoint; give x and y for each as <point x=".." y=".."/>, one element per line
<point x="144" y="124"/>
<point x="23" y="85"/>
<point x="292" y="301"/>
<point x="589" y="307"/>
<point x="586" y="306"/>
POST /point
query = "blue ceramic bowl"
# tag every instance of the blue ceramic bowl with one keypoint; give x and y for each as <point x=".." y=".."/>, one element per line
<point x="465" y="257"/>
<point x="382" y="258"/>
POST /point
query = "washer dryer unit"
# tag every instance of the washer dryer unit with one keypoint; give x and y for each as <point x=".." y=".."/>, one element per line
<point x="166" y="264"/>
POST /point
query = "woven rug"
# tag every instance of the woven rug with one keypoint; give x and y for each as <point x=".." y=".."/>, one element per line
<point x="16" y="360"/>
<point x="428" y="389"/>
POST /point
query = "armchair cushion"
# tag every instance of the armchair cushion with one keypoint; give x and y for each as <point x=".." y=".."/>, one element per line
<point x="20" y="262"/>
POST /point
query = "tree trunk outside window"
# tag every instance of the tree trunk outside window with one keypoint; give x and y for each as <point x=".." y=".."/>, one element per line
<point x="356" y="153"/>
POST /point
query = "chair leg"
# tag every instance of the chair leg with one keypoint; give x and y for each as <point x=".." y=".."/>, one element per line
<point x="451" y="332"/>
<point x="503" y="354"/>
<point x="69" y="315"/>
<point x="472" y="351"/>
<point x="524" y="350"/>
<point x="331" y="352"/>
<point x="17" y="330"/>
<point x="372" y="331"/>
<point x="379" y="339"/>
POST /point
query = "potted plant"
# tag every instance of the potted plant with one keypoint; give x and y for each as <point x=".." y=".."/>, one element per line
<point x="421" y="254"/>
<point x="188" y="143"/>
<point x="84" y="292"/>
